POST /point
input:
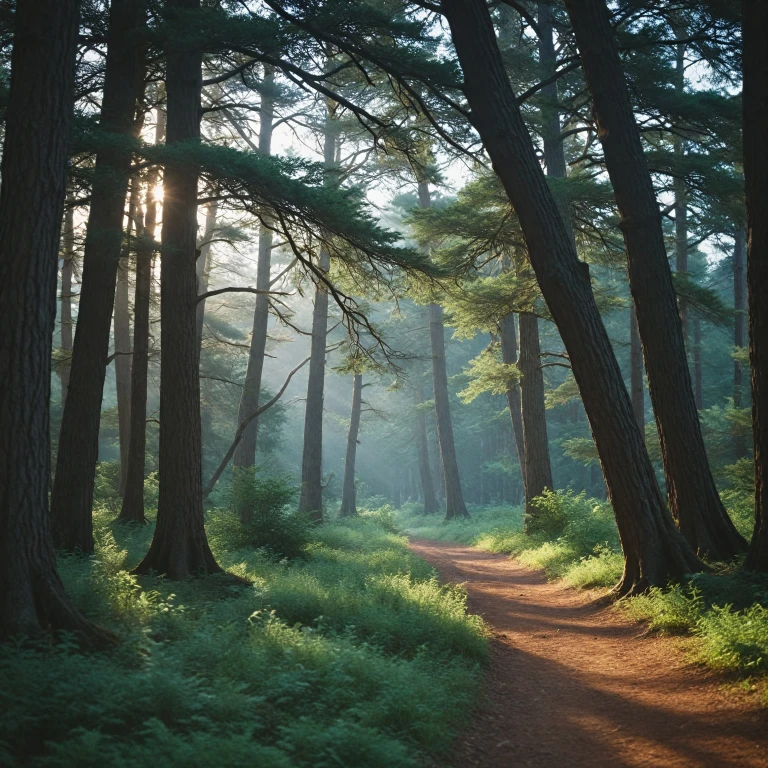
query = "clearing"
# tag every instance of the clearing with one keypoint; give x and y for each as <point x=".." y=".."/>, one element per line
<point x="573" y="683"/>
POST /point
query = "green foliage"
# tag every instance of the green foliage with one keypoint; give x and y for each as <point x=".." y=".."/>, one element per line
<point x="487" y="373"/>
<point x="259" y="516"/>
<point x="356" y="656"/>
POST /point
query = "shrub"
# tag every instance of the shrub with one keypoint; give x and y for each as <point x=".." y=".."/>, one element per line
<point x="259" y="517"/>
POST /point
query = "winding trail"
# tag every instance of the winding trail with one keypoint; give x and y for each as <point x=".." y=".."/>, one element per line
<point x="572" y="683"/>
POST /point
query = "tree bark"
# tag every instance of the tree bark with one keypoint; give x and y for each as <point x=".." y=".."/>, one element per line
<point x="311" y="496"/>
<point x="637" y="386"/>
<point x="348" y="494"/>
<point x="755" y="106"/>
<point x="68" y="238"/>
<point x="509" y="356"/>
<point x="422" y="446"/>
<point x="654" y="550"/>
<point x="698" y="378"/>
<point x="245" y="456"/>
<point x="132" y="510"/>
<point x="692" y="495"/>
<point x="538" y="471"/>
<point x="72" y="497"/>
<point x="679" y="188"/>
<point x="122" y="331"/>
<point x="37" y="131"/>
<point x="739" y="330"/>
<point x="179" y="547"/>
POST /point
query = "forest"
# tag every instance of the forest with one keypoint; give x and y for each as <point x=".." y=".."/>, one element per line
<point x="383" y="384"/>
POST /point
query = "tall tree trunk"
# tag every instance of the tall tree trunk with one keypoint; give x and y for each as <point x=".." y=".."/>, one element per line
<point x="538" y="471"/>
<point x="245" y="456"/>
<point x="203" y="268"/>
<point x="693" y="497"/>
<point x="37" y="131"/>
<point x="739" y="330"/>
<point x="422" y="445"/>
<point x="654" y="550"/>
<point x="755" y="105"/>
<point x="454" y="499"/>
<point x="311" y="496"/>
<point x="636" y="384"/>
<point x="132" y="510"/>
<point x="348" y="495"/>
<point x="68" y="238"/>
<point x="179" y="547"/>
<point x="509" y="356"/>
<point x="679" y="188"/>
<point x="122" y="326"/>
<point x="72" y="497"/>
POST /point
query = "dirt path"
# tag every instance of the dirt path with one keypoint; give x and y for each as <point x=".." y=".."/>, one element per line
<point x="574" y="684"/>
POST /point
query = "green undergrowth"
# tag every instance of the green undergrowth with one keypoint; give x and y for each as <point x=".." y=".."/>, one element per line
<point x="575" y="539"/>
<point x="351" y="655"/>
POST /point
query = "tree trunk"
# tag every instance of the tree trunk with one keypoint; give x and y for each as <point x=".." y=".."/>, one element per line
<point x="693" y="497"/>
<point x="245" y="456"/>
<point x="36" y="148"/>
<point x="348" y="495"/>
<point x="72" y="497"/>
<point x="636" y="384"/>
<point x="132" y="510"/>
<point x="454" y="500"/>
<point x="739" y="331"/>
<point x="179" y="547"/>
<point x="538" y="471"/>
<point x="654" y="550"/>
<point x="68" y="238"/>
<point x="122" y="331"/>
<point x="203" y="268"/>
<point x="311" y="496"/>
<point x="422" y="444"/>
<point x="509" y="356"/>
<point x="755" y="105"/>
<point x="680" y="191"/>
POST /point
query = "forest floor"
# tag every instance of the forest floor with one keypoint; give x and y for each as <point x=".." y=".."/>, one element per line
<point x="572" y="682"/>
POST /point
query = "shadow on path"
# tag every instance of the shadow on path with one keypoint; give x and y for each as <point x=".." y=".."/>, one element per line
<point x="572" y="683"/>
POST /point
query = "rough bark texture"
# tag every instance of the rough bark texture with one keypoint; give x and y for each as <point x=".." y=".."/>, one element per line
<point x="311" y="496"/>
<point x="179" y="547"/>
<point x="72" y="497"/>
<point x="65" y="317"/>
<point x="538" y="470"/>
<point x="348" y="496"/>
<point x="636" y="383"/>
<point x="654" y="549"/>
<point x="36" y="143"/>
<point x="422" y="446"/>
<point x="132" y="510"/>
<point x="755" y="101"/>
<point x="245" y="456"/>
<point x="203" y="268"/>
<point x="739" y="330"/>
<point x="509" y="355"/>
<point x="692" y="495"/>
<point x="679" y="188"/>
<point x="698" y="377"/>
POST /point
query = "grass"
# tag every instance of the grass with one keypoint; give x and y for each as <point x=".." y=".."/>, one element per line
<point x="352" y="655"/>
<point x="726" y="612"/>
